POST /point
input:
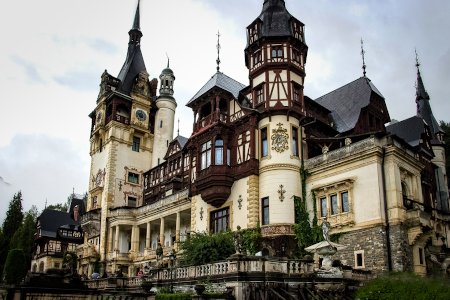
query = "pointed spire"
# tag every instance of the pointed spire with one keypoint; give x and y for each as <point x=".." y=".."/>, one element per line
<point x="137" y="18"/>
<point x="218" y="51"/>
<point x="363" y="57"/>
<point x="421" y="93"/>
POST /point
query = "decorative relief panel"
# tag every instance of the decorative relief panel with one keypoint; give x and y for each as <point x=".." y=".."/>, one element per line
<point x="280" y="139"/>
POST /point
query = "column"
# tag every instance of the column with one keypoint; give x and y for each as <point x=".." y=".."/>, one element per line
<point x="137" y="237"/>
<point x="161" y="232"/>
<point x="134" y="238"/>
<point x="148" y="237"/>
<point x="110" y="240"/>
<point x="177" y="228"/>
<point x="116" y="240"/>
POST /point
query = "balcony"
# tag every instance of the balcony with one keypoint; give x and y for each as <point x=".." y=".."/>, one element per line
<point x="211" y="119"/>
<point x="118" y="118"/>
<point x="214" y="184"/>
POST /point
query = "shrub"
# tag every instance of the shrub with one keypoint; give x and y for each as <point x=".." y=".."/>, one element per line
<point x="177" y="296"/>
<point x="405" y="286"/>
<point x="15" y="267"/>
<point x="204" y="248"/>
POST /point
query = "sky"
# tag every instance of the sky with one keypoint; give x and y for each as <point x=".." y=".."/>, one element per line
<point x="53" y="53"/>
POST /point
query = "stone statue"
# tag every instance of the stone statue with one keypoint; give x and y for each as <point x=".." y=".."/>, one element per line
<point x="326" y="230"/>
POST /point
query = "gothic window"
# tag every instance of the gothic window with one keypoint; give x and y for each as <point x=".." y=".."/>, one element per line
<point x="265" y="211"/>
<point x="206" y="155"/>
<point x="136" y="144"/>
<point x="133" y="178"/>
<point x="295" y="149"/>
<point x="218" y="149"/>
<point x="264" y="142"/>
<point x="219" y="220"/>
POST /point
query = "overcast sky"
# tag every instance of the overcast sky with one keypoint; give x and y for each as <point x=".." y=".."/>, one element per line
<point x="53" y="53"/>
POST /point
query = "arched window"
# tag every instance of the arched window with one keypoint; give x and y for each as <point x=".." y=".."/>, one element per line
<point x="218" y="149"/>
<point x="41" y="267"/>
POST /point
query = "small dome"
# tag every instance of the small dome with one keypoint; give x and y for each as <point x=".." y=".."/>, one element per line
<point x="167" y="71"/>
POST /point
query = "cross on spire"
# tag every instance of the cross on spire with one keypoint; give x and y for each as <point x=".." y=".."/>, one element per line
<point x="363" y="58"/>
<point x="218" y="51"/>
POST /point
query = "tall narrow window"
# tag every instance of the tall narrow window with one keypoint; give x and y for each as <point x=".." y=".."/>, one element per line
<point x="206" y="155"/>
<point x="264" y="142"/>
<point x="359" y="259"/>
<point x="219" y="220"/>
<point x="101" y="145"/>
<point x="136" y="143"/>
<point x="295" y="141"/>
<point x="344" y="202"/>
<point x="259" y="94"/>
<point x="265" y="211"/>
<point x="296" y="93"/>
<point x="277" y="52"/>
<point x="323" y="207"/>
<point x="218" y="149"/>
<point x="334" y="204"/>
<point x="228" y="156"/>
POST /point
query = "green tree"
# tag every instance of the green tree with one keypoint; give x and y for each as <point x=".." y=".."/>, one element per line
<point x="13" y="221"/>
<point x="405" y="286"/>
<point x="446" y="127"/>
<point x="23" y="238"/>
<point x="15" y="267"/>
<point x="203" y="248"/>
<point x="59" y="206"/>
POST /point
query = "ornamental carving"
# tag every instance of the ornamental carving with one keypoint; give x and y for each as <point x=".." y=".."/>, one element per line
<point x="141" y="85"/>
<point x="280" y="139"/>
<point x="99" y="178"/>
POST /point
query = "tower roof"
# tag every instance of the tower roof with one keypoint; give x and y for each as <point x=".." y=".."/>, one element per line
<point x="275" y="19"/>
<point x="424" y="109"/>
<point x="222" y="81"/>
<point x="134" y="63"/>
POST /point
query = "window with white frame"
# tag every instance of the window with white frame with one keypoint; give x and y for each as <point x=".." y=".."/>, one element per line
<point x="359" y="259"/>
<point x="206" y="155"/>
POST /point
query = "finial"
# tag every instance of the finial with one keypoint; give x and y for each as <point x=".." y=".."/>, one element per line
<point x="218" y="51"/>
<point x="168" y="60"/>
<point x="178" y="131"/>
<point x="363" y="58"/>
<point x="417" y="59"/>
<point x="136" y="23"/>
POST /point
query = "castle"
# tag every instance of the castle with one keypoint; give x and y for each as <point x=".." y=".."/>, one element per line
<point x="255" y="150"/>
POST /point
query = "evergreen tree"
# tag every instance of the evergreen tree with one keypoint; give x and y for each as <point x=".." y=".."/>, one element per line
<point x="13" y="221"/>
<point x="15" y="267"/>
<point x="23" y="238"/>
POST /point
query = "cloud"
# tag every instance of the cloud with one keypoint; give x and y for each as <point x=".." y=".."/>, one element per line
<point x="29" y="68"/>
<point x="44" y="168"/>
<point x="80" y="80"/>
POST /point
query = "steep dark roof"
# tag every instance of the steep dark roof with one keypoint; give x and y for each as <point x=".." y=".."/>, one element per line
<point x="275" y="19"/>
<point x="346" y="102"/>
<point x="424" y="108"/>
<point x="222" y="81"/>
<point x="181" y="140"/>
<point x="50" y="220"/>
<point x="409" y="130"/>
<point x="134" y="63"/>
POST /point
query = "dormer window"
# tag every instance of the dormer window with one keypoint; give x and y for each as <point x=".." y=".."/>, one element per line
<point x="253" y="33"/>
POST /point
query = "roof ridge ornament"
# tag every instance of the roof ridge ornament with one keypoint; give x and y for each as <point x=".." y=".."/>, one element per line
<point x="218" y="51"/>
<point x="363" y="57"/>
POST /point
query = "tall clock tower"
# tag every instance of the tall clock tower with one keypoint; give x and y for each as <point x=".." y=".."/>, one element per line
<point x="121" y="140"/>
<point x="275" y="57"/>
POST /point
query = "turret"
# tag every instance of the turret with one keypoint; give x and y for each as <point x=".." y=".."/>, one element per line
<point x="165" y="116"/>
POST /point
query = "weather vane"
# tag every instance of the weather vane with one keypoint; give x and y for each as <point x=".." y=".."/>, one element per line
<point x="168" y="60"/>
<point x="218" y="51"/>
<point x="363" y="58"/>
<point x="417" y="59"/>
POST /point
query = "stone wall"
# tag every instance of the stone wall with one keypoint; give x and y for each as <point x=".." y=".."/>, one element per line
<point x="402" y="257"/>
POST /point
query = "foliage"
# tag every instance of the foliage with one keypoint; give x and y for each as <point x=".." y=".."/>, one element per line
<point x="59" y="206"/>
<point x="405" y="286"/>
<point x="177" y="296"/>
<point x="15" y="267"/>
<point x="251" y="240"/>
<point x="23" y="238"/>
<point x="12" y="222"/>
<point x="203" y="248"/>
<point x="307" y="232"/>
<point x="446" y="127"/>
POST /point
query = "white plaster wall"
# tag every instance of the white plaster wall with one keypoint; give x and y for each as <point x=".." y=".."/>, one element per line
<point x="164" y="134"/>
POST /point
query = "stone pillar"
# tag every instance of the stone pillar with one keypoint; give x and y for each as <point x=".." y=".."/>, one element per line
<point x="110" y="247"/>
<point x="161" y="232"/>
<point x="177" y="228"/>
<point x="116" y="240"/>
<point x="135" y="238"/>
<point x="148" y="237"/>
